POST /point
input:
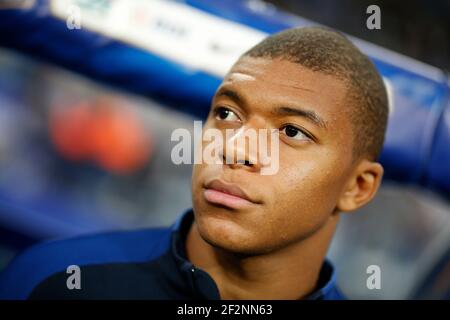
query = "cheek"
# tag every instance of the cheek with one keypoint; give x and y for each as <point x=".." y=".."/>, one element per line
<point x="197" y="182"/>
<point x="195" y="177"/>
<point x="305" y="195"/>
<point x="198" y="173"/>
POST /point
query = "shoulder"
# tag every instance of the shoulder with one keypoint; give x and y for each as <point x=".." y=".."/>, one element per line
<point x="41" y="261"/>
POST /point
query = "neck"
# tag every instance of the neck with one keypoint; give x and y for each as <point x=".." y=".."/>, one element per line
<point x="288" y="273"/>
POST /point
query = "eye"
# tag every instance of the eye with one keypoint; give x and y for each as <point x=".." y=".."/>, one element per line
<point x="225" y="114"/>
<point x="294" y="133"/>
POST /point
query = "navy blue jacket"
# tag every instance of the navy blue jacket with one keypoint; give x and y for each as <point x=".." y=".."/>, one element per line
<point x="144" y="264"/>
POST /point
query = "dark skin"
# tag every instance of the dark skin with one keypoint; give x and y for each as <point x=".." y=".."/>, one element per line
<point x="275" y="247"/>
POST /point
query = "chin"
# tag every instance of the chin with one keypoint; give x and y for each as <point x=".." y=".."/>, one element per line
<point x="229" y="236"/>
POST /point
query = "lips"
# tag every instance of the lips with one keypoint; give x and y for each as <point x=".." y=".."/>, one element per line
<point x="230" y="195"/>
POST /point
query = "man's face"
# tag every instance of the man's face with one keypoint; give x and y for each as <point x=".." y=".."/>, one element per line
<point x="315" y="156"/>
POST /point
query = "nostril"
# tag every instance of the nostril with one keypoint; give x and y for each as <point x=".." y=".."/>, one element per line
<point x="245" y="162"/>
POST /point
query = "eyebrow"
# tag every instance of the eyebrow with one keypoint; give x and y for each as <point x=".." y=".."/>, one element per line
<point x="310" y="115"/>
<point x="307" y="114"/>
<point x="230" y="94"/>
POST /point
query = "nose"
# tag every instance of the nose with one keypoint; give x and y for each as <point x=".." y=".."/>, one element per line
<point x="240" y="151"/>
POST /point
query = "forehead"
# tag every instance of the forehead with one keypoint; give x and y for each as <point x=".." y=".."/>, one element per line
<point x="277" y="81"/>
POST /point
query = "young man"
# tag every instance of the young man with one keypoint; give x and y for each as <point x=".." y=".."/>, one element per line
<point x="248" y="236"/>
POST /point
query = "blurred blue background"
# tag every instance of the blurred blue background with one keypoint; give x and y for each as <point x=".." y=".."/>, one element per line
<point x="86" y="117"/>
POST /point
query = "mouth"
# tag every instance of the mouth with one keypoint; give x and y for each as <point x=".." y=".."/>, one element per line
<point x="229" y="195"/>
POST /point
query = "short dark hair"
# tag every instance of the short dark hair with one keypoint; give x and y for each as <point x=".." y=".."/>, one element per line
<point x="324" y="50"/>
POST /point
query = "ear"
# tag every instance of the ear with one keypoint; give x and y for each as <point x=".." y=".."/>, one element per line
<point x="362" y="186"/>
